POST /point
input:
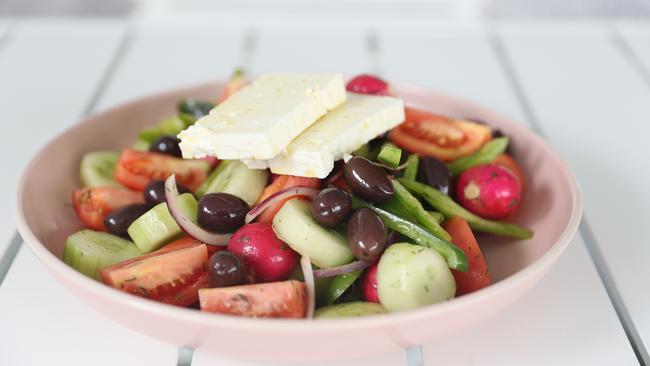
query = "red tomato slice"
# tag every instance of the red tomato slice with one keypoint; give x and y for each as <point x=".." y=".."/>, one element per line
<point x="477" y="276"/>
<point x="136" y="169"/>
<point x="282" y="182"/>
<point x="188" y="241"/>
<point x="508" y="162"/>
<point x="434" y="135"/>
<point x="284" y="299"/>
<point x="93" y="204"/>
<point x="172" y="275"/>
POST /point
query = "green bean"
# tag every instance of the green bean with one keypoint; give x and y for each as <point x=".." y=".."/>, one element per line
<point x="454" y="257"/>
<point x="436" y="216"/>
<point x="411" y="170"/>
<point x="415" y="208"/>
<point x="485" y="155"/>
<point x="449" y="208"/>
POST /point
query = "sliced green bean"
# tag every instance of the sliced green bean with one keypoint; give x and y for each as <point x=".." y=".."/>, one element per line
<point x="449" y="208"/>
<point x="485" y="155"/>
<point x="414" y="206"/>
<point x="411" y="170"/>
<point x="436" y="216"/>
<point x="454" y="257"/>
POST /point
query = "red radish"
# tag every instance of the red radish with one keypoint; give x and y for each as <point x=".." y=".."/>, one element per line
<point x="369" y="284"/>
<point x="369" y="84"/>
<point x="507" y="161"/>
<point x="269" y="258"/>
<point x="490" y="191"/>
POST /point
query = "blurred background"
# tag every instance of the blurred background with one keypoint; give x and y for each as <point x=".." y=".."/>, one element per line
<point x="334" y="10"/>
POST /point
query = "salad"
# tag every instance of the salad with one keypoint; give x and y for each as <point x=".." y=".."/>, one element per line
<point x="389" y="225"/>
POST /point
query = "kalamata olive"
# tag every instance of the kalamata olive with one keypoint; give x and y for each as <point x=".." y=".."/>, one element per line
<point x="435" y="173"/>
<point x="368" y="181"/>
<point x="167" y="145"/>
<point x="195" y="108"/>
<point x="226" y="269"/>
<point x="331" y="206"/>
<point x="154" y="192"/>
<point x="366" y="235"/>
<point x="222" y="212"/>
<point x="118" y="221"/>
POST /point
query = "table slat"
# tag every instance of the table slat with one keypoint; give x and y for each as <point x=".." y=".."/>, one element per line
<point x="462" y="61"/>
<point x="163" y="56"/>
<point x="43" y="324"/>
<point x="48" y="72"/>
<point x="593" y="104"/>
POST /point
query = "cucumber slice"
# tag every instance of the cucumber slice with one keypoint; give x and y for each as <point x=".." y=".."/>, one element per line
<point x="410" y="276"/>
<point x="294" y="225"/>
<point x="88" y="251"/>
<point x="157" y="227"/>
<point x="349" y="309"/>
<point x="97" y="168"/>
<point x="232" y="176"/>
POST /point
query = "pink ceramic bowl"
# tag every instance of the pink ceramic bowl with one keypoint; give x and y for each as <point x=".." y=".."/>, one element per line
<point x="552" y="208"/>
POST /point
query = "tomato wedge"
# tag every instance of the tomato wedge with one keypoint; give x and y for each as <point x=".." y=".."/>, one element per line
<point x="135" y="169"/>
<point x="279" y="183"/>
<point x="477" y="276"/>
<point x="284" y="299"/>
<point x="93" y="204"/>
<point x="508" y="162"/>
<point x="444" y="138"/>
<point x="172" y="274"/>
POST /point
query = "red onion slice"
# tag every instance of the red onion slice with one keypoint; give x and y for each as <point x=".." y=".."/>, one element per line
<point x="194" y="230"/>
<point x="278" y="197"/>
<point x="310" y="285"/>
<point x="347" y="268"/>
<point x="388" y="167"/>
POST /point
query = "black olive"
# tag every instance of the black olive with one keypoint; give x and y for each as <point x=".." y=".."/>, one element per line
<point x="226" y="269"/>
<point x="167" y="145"/>
<point x="222" y="212"/>
<point x="367" y="180"/>
<point x="435" y="173"/>
<point x="367" y="235"/>
<point x="118" y="221"/>
<point x="154" y="192"/>
<point x="331" y="206"/>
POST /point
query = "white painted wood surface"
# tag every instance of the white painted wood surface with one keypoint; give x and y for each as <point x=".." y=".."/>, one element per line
<point x="43" y="324"/>
<point x="48" y="74"/>
<point x="567" y="319"/>
<point x="594" y="105"/>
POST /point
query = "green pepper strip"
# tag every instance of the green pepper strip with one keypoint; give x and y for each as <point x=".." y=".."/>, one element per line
<point x="449" y="208"/>
<point x="390" y="155"/>
<point x="454" y="257"/>
<point x="411" y="170"/>
<point x="485" y="155"/>
<point x="414" y="206"/>
<point x="339" y="285"/>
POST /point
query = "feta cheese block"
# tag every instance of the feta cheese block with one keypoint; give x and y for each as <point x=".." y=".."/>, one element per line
<point x="260" y="120"/>
<point x="343" y="130"/>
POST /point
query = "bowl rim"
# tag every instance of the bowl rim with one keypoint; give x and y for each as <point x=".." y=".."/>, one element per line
<point x="535" y="269"/>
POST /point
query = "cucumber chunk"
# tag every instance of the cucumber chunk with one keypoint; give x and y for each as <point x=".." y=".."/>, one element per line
<point x="97" y="168"/>
<point x="157" y="227"/>
<point x="349" y="309"/>
<point x="171" y="126"/>
<point x="294" y="225"/>
<point x="410" y="276"/>
<point x="232" y="176"/>
<point x="88" y="251"/>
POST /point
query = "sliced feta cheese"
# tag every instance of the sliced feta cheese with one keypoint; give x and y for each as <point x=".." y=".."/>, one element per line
<point x="260" y="120"/>
<point x="343" y="130"/>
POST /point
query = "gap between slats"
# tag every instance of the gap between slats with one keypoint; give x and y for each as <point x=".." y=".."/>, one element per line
<point x="606" y="278"/>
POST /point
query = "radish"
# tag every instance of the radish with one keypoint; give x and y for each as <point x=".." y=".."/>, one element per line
<point x="269" y="258"/>
<point x="490" y="191"/>
<point x="369" y="84"/>
<point x="369" y="284"/>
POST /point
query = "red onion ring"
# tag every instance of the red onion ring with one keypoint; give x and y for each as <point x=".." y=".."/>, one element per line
<point x="279" y="196"/>
<point x="387" y="167"/>
<point x="347" y="268"/>
<point x="310" y="285"/>
<point x="194" y="230"/>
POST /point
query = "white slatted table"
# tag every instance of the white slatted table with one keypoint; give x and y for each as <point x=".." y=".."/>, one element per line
<point x="570" y="82"/>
